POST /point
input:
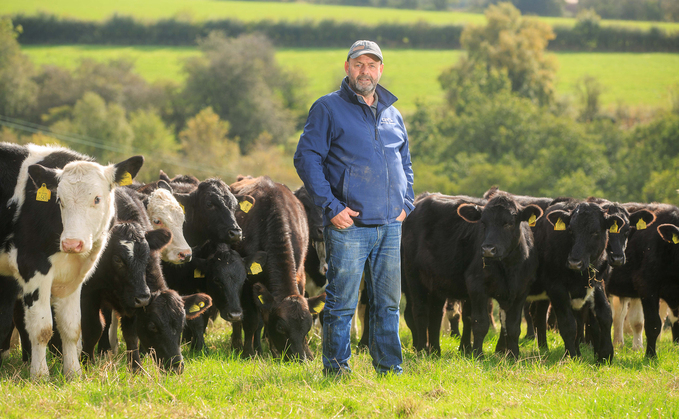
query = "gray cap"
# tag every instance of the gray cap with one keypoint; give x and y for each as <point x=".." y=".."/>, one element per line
<point x="364" y="47"/>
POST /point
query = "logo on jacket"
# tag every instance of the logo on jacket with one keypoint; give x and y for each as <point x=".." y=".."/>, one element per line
<point x="386" y="120"/>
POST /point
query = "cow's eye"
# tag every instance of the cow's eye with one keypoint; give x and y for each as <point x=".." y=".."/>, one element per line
<point x="509" y="226"/>
<point x="157" y="222"/>
<point x="279" y="328"/>
<point x="152" y="327"/>
<point x="209" y="204"/>
<point x="97" y="200"/>
<point x="117" y="260"/>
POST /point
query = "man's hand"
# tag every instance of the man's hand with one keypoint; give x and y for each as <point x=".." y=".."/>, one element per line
<point x="402" y="216"/>
<point x="343" y="219"/>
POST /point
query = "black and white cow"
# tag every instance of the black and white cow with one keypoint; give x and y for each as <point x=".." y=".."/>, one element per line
<point x="56" y="208"/>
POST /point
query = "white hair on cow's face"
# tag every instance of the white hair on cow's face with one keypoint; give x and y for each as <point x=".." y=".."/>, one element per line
<point x="86" y="197"/>
<point x="129" y="245"/>
<point x="164" y="211"/>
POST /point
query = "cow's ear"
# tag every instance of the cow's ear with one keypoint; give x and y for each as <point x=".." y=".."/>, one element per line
<point x="559" y="219"/>
<point x="263" y="299"/>
<point x="613" y="223"/>
<point x="255" y="263"/>
<point x="122" y="173"/>
<point x="196" y="304"/>
<point x="158" y="239"/>
<point x="43" y="175"/>
<point x="669" y="233"/>
<point x="245" y="202"/>
<point x="162" y="184"/>
<point x="530" y="214"/>
<point x="200" y="265"/>
<point x="186" y="200"/>
<point x="471" y="213"/>
<point x="164" y="177"/>
<point x="641" y="219"/>
<point x="316" y="304"/>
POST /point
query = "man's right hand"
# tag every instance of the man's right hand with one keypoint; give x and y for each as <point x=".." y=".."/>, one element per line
<point x="343" y="219"/>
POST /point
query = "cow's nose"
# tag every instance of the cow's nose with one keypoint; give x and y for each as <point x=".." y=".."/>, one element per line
<point x="235" y="235"/>
<point x="576" y="265"/>
<point x="617" y="260"/>
<point x="235" y="316"/>
<point x="142" y="301"/>
<point x="72" y="245"/>
<point x="185" y="256"/>
<point x="489" y="251"/>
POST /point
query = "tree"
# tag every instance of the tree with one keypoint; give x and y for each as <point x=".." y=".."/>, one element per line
<point x="513" y="44"/>
<point x="17" y="90"/>
<point x="156" y="142"/>
<point x="240" y="80"/>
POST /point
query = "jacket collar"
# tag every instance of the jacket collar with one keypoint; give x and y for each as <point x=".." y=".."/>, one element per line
<point x="384" y="97"/>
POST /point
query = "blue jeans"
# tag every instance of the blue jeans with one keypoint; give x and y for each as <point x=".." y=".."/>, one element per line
<point x="377" y="250"/>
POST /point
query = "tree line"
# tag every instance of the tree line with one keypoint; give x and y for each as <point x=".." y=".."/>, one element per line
<point x="586" y="35"/>
<point x="501" y="124"/>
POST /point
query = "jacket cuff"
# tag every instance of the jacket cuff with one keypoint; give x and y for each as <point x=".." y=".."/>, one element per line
<point x="334" y="208"/>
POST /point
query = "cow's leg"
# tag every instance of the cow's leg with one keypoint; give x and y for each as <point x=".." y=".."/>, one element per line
<point x="674" y="316"/>
<point x="620" y="305"/>
<point x="38" y="321"/>
<point x="433" y="328"/>
<point x="530" y="327"/>
<point x="420" y="314"/>
<point x="635" y="317"/>
<point x="20" y="324"/>
<point x="128" y="325"/>
<point x="540" y="322"/>
<point x="561" y="304"/>
<point x="67" y="316"/>
<point x="480" y="321"/>
<point x="652" y="323"/>
<point x="237" y="336"/>
<point x="466" y="339"/>
<point x="603" y="318"/>
<point x="512" y="328"/>
<point x="105" y="338"/>
<point x="91" y="326"/>
<point x="9" y="291"/>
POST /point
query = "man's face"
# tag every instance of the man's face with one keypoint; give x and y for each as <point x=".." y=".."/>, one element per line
<point x="364" y="73"/>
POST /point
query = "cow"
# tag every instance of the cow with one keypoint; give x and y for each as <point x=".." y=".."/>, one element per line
<point x="218" y="271"/>
<point x="56" y="208"/>
<point x="454" y="248"/>
<point x="315" y="265"/>
<point x="209" y="208"/>
<point x="572" y="239"/>
<point x="651" y="269"/>
<point x="276" y="224"/>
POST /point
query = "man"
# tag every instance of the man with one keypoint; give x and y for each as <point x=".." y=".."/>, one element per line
<point x="353" y="159"/>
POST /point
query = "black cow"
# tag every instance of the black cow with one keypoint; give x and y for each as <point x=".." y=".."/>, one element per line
<point x="56" y="209"/>
<point x="315" y="266"/>
<point x="453" y="248"/>
<point x="277" y="225"/>
<point x="572" y="239"/>
<point x="651" y="269"/>
<point x="218" y="271"/>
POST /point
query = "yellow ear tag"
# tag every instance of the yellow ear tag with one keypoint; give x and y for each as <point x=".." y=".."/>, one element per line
<point x="614" y="227"/>
<point x="675" y="238"/>
<point x="245" y="206"/>
<point x="126" y="179"/>
<point x="183" y="210"/>
<point x="560" y="225"/>
<point x="255" y="268"/>
<point x="320" y="307"/>
<point x="532" y="220"/>
<point x="641" y="224"/>
<point x="198" y="274"/>
<point x="201" y="304"/>
<point x="194" y="308"/>
<point x="43" y="194"/>
<point x="261" y="299"/>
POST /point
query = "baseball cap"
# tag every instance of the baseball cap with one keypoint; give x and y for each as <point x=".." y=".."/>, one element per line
<point x="364" y="47"/>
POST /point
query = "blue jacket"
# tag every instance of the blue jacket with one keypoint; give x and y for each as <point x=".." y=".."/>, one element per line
<point x="347" y="157"/>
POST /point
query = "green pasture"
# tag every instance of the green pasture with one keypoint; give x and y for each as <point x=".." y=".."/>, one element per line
<point x="219" y="384"/>
<point x="636" y="80"/>
<point x="249" y="11"/>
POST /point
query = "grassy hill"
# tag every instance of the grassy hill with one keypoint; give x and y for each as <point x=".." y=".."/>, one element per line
<point x="632" y="79"/>
<point x="249" y="11"/>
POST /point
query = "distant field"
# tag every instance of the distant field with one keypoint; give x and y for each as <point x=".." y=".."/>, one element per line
<point x="255" y="11"/>
<point x="633" y="79"/>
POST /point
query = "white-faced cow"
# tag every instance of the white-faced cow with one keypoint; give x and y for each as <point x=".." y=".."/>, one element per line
<point x="56" y="208"/>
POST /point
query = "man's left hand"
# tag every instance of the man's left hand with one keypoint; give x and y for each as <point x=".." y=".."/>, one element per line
<point x="402" y="216"/>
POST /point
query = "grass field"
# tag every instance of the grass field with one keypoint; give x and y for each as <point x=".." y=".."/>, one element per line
<point x="221" y="385"/>
<point x="255" y="11"/>
<point x="632" y="79"/>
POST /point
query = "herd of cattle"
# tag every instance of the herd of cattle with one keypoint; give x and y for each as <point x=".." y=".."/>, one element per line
<point x="87" y="246"/>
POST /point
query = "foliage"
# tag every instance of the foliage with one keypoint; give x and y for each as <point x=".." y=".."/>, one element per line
<point x="240" y="79"/>
<point x="17" y="90"/>
<point x="530" y="7"/>
<point x="633" y="9"/>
